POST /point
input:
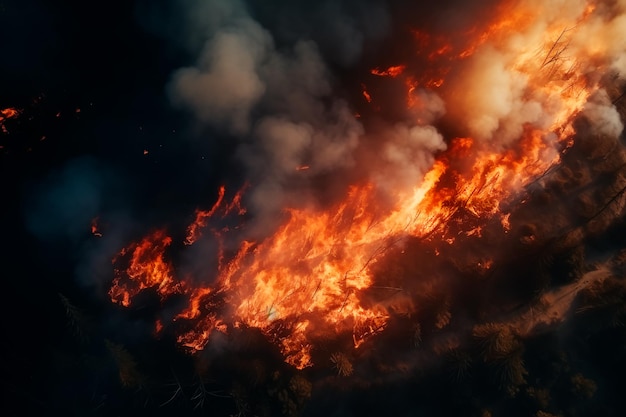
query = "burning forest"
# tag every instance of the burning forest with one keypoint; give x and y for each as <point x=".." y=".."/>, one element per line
<point x="380" y="209"/>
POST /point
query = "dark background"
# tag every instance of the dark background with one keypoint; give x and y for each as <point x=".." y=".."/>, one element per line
<point x="90" y="84"/>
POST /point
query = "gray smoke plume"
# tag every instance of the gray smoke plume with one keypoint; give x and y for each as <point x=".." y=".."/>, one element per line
<point x="224" y="86"/>
<point x="277" y="98"/>
<point x="604" y="116"/>
<point x="277" y="103"/>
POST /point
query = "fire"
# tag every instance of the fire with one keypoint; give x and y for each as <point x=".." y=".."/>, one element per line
<point x="6" y="114"/>
<point x="202" y="216"/>
<point x="392" y="71"/>
<point x="306" y="280"/>
<point x="148" y="269"/>
<point x="366" y="94"/>
<point x="95" y="229"/>
<point x="193" y="231"/>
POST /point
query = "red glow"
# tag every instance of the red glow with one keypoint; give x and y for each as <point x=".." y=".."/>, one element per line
<point x="392" y="71"/>
<point x="6" y="114"/>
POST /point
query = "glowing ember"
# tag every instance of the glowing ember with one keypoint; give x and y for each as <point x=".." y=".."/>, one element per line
<point x="95" y="229"/>
<point x="366" y="94"/>
<point x="392" y="71"/>
<point x="306" y="280"/>
<point x="6" y="114"/>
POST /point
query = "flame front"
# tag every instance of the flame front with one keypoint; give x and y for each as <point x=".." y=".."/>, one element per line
<point x="306" y="280"/>
<point x="148" y="269"/>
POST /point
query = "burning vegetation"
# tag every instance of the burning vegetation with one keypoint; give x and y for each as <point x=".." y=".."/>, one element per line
<point x="438" y="236"/>
<point x="529" y="76"/>
<point x="7" y="114"/>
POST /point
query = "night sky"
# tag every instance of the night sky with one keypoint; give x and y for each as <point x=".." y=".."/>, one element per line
<point x="114" y="130"/>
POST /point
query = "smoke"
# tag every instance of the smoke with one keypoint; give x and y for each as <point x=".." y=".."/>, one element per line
<point x="402" y="152"/>
<point x="603" y="39"/>
<point x="277" y="103"/>
<point x="224" y="87"/>
<point x="266" y="77"/>
<point x="604" y="117"/>
<point x="493" y="104"/>
<point x="341" y="29"/>
<point x="521" y="77"/>
<point x="272" y="90"/>
<point x="407" y="155"/>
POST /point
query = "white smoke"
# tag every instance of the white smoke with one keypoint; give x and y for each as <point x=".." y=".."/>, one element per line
<point x="492" y="97"/>
<point x="603" y="41"/>
<point x="604" y="117"/>
<point x="277" y="102"/>
<point x="408" y="149"/>
<point x="224" y="87"/>
<point x="500" y="89"/>
<point x="408" y="153"/>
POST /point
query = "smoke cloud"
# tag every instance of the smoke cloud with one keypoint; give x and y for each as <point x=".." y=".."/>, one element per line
<point x="278" y="103"/>
<point x="509" y="82"/>
<point x="224" y="87"/>
<point x="272" y="88"/>
<point x="604" y="117"/>
<point x="407" y="154"/>
<point x="341" y="29"/>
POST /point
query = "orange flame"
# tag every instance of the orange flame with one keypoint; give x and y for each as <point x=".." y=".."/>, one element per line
<point x="392" y="71"/>
<point x="202" y="216"/>
<point x="307" y="277"/>
<point x="6" y="114"/>
<point x="307" y="280"/>
<point x="366" y="94"/>
<point x="95" y="229"/>
<point x="148" y="269"/>
<point x="193" y="231"/>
